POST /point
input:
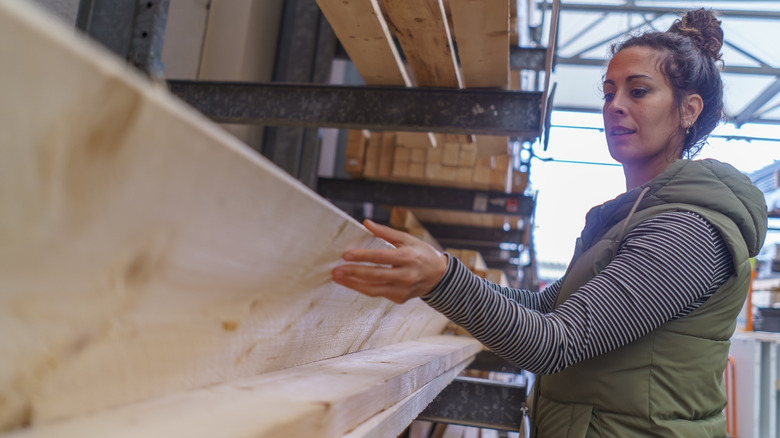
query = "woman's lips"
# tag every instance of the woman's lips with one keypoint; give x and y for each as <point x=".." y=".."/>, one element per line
<point x="620" y="130"/>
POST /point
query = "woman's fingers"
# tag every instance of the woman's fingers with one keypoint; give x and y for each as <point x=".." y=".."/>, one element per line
<point x="384" y="256"/>
<point x="391" y="235"/>
<point x="370" y="274"/>
<point x="395" y="292"/>
<point x="411" y="269"/>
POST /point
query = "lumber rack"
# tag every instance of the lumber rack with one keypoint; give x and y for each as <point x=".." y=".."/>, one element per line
<point x="135" y="31"/>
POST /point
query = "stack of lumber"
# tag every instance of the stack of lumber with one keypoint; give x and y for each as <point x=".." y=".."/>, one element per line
<point x="476" y="264"/>
<point x="405" y="157"/>
<point x="403" y="219"/>
<point x="472" y="259"/>
<point x="427" y="33"/>
<point x="434" y="43"/>
<point x="158" y="278"/>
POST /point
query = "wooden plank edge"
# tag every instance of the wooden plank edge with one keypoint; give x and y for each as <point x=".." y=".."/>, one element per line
<point x="324" y="399"/>
<point x="71" y="387"/>
<point x="392" y="421"/>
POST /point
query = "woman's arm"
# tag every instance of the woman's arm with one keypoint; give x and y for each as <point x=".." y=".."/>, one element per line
<point x="666" y="267"/>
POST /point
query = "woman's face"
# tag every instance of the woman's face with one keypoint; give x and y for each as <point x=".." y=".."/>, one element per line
<point x="641" y="119"/>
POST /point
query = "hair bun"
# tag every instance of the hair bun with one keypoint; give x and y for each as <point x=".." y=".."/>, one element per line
<point x="703" y="29"/>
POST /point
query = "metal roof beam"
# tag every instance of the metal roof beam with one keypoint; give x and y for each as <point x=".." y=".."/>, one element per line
<point x="615" y="36"/>
<point x="733" y="69"/>
<point x="582" y="32"/>
<point x="625" y="9"/>
<point x="746" y="53"/>
<point x="752" y="108"/>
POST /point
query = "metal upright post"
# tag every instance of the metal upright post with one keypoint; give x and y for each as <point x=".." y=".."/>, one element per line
<point x="133" y="29"/>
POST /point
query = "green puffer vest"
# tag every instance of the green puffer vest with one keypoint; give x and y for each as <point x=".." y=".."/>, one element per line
<point x="669" y="383"/>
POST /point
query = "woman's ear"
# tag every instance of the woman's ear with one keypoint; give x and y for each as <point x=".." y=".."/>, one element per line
<point x="691" y="107"/>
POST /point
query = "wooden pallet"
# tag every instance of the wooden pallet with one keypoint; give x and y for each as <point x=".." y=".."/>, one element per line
<point x="149" y="260"/>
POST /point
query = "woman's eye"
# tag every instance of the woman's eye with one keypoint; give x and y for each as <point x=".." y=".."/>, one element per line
<point x="608" y="97"/>
<point x="638" y="92"/>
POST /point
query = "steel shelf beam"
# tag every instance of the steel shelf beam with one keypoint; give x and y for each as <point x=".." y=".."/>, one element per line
<point x="410" y="195"/>
<point x="465" y="111"/>
<point x="480" y="234"/>
<point x="488" y="250"/>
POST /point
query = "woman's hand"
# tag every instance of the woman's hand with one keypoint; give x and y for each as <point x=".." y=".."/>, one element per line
<point x="411" y="269"/>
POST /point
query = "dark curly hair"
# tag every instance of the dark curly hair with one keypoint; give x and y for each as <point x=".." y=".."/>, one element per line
<point x="691" y="62"/>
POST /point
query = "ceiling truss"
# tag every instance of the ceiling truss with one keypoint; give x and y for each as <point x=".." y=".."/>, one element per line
<point x="572" y="50"/>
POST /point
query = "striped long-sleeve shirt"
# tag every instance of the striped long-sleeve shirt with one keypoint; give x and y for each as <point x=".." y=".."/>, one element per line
<point x="665" y="268"/>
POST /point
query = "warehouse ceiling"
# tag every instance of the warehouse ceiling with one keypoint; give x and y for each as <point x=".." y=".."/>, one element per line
<point x="751" y="55"/>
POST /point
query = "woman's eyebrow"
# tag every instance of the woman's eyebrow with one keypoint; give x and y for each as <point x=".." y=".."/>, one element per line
<point x="628" y="79"/>
<point x="632" y="77"/>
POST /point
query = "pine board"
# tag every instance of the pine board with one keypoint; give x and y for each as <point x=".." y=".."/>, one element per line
<point x="422" y="30"/>
<point x="481" y="31"/>
<point x="449" y="217"/>
<point x="363" y="32"/>
<point x="392" y="421"/>
<point x="145" y="250"/>
<point x="403" y="219"/>
<point x="376" y="391"/>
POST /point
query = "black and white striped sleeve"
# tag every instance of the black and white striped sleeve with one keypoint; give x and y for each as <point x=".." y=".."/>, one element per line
<point x="666" y="268"/>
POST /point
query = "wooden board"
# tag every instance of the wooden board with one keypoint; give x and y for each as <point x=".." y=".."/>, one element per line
<point x="403" y="219"/>
<point x="392" y="421"/>
<point x="386" y="154"/>
<point x="376" y="390"/>
<point x="471" y="259"/>
<point x="422" y="30"/>
<point x="490" y="145"/>
<point x="362" y="30"/>
<point x="449" y="217"/>
<point x="372" y="156"/>
<point x="146" y="251"/>
<point x="355" y="154"/>
<point x="481" y="31"/>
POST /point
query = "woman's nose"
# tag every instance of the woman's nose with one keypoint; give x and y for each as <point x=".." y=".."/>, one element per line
<point x="617" y="106"/>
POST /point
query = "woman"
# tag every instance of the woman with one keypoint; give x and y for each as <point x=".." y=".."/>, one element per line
<point x="633" y="340"/>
